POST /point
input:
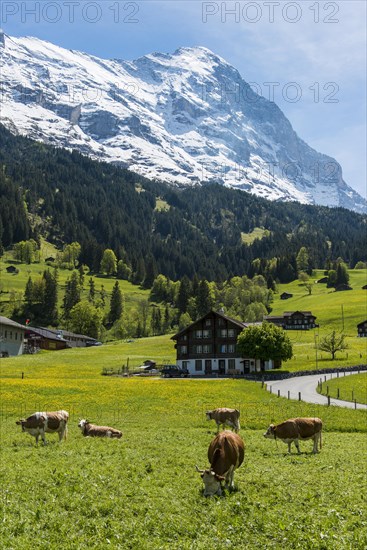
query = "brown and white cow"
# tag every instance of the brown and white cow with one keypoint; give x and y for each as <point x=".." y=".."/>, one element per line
<point x="224" y="416"/>
<point x="92" y="430"/>
<point x="296" y="429"/>
<point x="226" y="453"/>
<point x="40" y="423"/>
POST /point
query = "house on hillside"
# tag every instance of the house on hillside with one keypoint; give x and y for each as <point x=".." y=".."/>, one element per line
<point x="323" y="280"/>
<point x="209" y="347"/>
<point x="286" y="296"/>
<point x="293" y="320"/>
<point x="76" y="340"/>
<point x="362" y="329"/>
<point x="12" y="269"/>
<point x="43" y="338"/>
<point x="53" y="339"/>
<point x="11" y="337"/>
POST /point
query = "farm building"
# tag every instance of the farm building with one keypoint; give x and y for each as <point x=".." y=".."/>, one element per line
<point x="12" y="269"/>
<point x="362" y="329"/>
<point x="11" y="337"/>
<point x="208" y="347"/>
<point x="286" y="296"/>
<point x="43" y="338"/>
<point x="51" y="339"/>
<point x="293" y="320"/>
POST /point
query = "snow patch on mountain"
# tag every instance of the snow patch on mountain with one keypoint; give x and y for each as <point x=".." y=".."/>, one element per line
<point x="185" y="118"/>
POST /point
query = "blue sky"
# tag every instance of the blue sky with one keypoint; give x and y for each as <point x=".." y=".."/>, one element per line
<point x="309" y="57"/>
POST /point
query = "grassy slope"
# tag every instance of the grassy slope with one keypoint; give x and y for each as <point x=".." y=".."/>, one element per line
<point x="327" y="306"/>
<point x="132" y="293"/>
<point x="143" y="492"/>
<point x="350" y="388"/>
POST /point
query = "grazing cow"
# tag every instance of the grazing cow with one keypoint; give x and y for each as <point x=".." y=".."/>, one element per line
<point x="226" y="453"/>
<point x="294" y="429"/>
<point x="40" y="423"/>
<point x="223" y="416"/>
<point x="92" y="430"/>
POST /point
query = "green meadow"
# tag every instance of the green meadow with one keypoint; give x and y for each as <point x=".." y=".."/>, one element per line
<point x="348" y="388"/>
<point x="142" y="492"/>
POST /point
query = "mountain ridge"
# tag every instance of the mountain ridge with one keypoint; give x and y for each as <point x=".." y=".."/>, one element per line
<point x="185" y="118"/>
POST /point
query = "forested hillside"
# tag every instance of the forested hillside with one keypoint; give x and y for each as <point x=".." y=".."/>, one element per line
<point x="155" y="228"/>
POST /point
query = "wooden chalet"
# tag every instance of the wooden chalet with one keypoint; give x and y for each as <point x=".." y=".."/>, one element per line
<point x="286" y="296"/>
<point x="209" y="347"/>
<point x="362" y="329"/>
<point x="293" y="320"/>
<point x="43" y="338"/>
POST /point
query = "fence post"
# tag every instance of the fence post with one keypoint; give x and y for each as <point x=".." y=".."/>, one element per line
<point x="327" y="390"/>
<point x="324" y="378"/>
<point x="338" y="393"/>
<point x="278" y="393"/>
<point x="353" y="395"/>
<point x="328" y="400"/>
<point x="289" y="394"/>
<point x="355" y="403"/>
<point x="271" y="389"/>
<point x="299" y="396"/>
<point x="22" y="375"/>
<point x="337" y="374"/>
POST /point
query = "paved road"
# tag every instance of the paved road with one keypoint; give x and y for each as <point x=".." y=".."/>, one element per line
<point x="307" y="386"/>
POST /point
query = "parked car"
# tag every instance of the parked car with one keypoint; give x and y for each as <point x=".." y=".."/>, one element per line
<point x="90" y="343"/>
<point x="173" y="371"/>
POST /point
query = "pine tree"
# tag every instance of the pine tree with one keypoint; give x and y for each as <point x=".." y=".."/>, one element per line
<point x="72" y="293"/>
<point x="49" y="306"/>
<point x="116" y="304"/>
<point x="184" y="294"/>
<point x="204" y="299"/>
<point x="92" y="290"/>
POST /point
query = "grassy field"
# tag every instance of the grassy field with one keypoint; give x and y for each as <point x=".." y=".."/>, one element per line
<point x="350" y="388"/>
<point x="142" y="492"/>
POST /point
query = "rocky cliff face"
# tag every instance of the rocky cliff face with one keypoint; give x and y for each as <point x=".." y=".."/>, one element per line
<point x="184" y="118"/>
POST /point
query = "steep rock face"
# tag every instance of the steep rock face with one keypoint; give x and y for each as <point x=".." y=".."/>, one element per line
<point x="184" y="118"/>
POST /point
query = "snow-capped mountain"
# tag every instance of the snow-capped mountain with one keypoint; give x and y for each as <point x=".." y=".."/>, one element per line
<point x="184" y="118"/>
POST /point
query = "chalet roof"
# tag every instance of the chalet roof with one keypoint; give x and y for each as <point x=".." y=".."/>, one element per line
<point x="240" y="324"/>
<point x="362" y="323"/>
<point x="68" y="334"/>
<point x="290" y="313"/>
<point x="11" y="323"/>
<point x="45" y="333"/>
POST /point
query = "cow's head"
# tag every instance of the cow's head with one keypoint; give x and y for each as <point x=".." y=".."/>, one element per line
<point x="270" y="432"/>
<point x="82" y="423"/>
<point x="212" y="482"/>
<point x="21" y="422"/>
<point x="208" y="415"/>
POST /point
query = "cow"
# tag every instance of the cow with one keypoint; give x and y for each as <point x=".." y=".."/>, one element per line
<point x="224" y="416"/>
<point x="92" y="430"/>
<point x="225" y="453"/>
<point x="40" y="423"/>
<point x="294" y="429"/>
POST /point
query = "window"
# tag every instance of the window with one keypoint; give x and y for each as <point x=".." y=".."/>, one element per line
<point x="223" y="333"/>
<point x="5" y="333"/>
<point x="185" y="364"/>
<point x="16" y="335"/>
<point x="184" y="337"/>
<point x="198" y="365"/>
<point x="206" y="333"/>
<point x="183" y="350"/>
<point x="221" y="322"/>
<point x="231" y="348"/>
<point x="10" y="334"/>
<point x="223" y="348"/>
<point x="199" y="349"/>
<point x="208" y="322"/>
<point x="198" y="334"/>
<point x="231" y="364"/>
<point x="231" y="333"/>
<point x="207" y="348"/>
